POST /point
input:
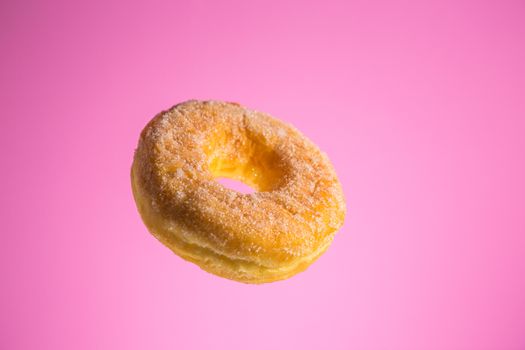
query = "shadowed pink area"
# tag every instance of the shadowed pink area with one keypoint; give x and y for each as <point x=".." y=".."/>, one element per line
<point x="419" y="105"/>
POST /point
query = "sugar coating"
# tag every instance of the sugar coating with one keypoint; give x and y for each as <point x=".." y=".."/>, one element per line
<point x="285" y="225"/>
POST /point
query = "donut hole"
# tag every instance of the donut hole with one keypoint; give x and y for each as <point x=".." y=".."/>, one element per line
<point x="235" y="185"/>
<point x="245" y="158"/>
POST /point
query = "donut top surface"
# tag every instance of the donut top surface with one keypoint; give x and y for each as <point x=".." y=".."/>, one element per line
<point x="298" y="204"/>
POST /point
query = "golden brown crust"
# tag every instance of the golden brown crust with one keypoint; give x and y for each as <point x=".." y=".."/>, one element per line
<point x="261" y="237"/>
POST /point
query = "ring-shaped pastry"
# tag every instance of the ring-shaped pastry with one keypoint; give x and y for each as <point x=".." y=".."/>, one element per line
<point x="264" y="236"/>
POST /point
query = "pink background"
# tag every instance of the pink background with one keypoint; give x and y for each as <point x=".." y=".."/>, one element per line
<point x="419" y="104"/>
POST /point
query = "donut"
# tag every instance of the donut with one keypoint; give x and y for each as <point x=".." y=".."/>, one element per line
<point x="265" y="236"/>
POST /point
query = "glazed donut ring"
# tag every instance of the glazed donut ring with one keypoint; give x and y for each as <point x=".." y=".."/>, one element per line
<point x="260" y="237"/>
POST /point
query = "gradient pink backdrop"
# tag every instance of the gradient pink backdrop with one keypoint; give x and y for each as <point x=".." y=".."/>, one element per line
<point x="420" y="105"/>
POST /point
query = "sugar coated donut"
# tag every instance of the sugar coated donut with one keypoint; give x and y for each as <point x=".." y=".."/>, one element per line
<point x="264" y="236"/>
